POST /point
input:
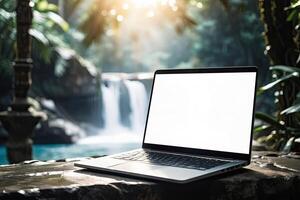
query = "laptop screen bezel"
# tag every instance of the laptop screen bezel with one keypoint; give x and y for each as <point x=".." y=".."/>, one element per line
<point x="193" y="151"/>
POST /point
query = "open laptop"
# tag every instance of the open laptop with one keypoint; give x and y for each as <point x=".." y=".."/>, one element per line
<point x="199" y="124"/>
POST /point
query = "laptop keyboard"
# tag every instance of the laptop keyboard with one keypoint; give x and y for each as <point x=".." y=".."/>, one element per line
<point x="171" y="159"/>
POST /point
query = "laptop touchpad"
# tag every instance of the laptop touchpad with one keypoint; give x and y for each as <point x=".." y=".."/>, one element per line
<point x="157" y="171"/>
<point x="135" y="167"/>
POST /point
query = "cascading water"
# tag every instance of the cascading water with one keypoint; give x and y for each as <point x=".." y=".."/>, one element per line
<point x="114" y="131"/>
<point x="111" y="111"/>
<point x="138" y="104"/>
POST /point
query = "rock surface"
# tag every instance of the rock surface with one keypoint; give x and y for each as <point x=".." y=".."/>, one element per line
<point x="269" y="176"/>
<point x="57" y="131"/>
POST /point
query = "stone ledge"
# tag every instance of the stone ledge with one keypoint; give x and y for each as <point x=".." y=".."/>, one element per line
<point x="269" y="176"/>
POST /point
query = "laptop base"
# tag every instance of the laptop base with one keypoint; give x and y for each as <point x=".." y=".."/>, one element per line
<point x="154" y="171"/>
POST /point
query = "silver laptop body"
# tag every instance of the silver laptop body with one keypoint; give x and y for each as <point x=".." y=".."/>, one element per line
<point x="199" y="124"/>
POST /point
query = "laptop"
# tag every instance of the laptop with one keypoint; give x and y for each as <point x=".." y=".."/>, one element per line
<point x="199" y="124"/>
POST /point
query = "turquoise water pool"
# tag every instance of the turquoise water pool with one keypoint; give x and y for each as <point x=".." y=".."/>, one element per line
<point x="61" y="151"/>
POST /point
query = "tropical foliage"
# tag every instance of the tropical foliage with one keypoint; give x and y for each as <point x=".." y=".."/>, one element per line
<point x="50" y="31"/>
<point x="280" y="129"/>
<point x="101" y="14"/>
<point x="236" y="29"/>
<point x="209" y="33"/>
<point x="7" y="35"/>
<point x="47" y="31"/>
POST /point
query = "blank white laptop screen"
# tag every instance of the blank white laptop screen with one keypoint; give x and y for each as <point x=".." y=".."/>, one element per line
<point x="211" y="111"/>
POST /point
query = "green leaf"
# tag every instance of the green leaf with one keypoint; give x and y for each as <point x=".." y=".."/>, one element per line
<point x="44" y="6"/>
<point x="5" y="15"/>
<point x="39" y="36"/>
<point x="294" y="5"/>
<point x="292" y="15"/>
<point x="60" y="67"/>
<point x="284" y="68"/>
<point x="289" y="144"/>
<point x="57" y="19"/>
<point x="56" y="40"/>
<point x="44" y="18"/>
<point x="292" y="109"/>
<point x="261" y="128"/>
<point x="280" y="80"/>
<point x="269" y="120"/>
<point x="39" y="17"/>
<point x="52" y="7"/>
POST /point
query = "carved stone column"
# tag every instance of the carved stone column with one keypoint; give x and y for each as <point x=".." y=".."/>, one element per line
<point x="20" y="119"/>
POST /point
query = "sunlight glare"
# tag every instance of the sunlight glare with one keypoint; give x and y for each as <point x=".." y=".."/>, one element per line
<point x="199" y="5"/>
<point x="120" y="18"/>
<point x="125" y="6"/>
<point x="113" y="12"/>
<point x="150" y="14"/>
<point x="153" y="3"/>
<point x="164" y="2"/>
<point x="144" y="2"/>
<point x="174" y="8"/>
<point x="31" y="4"/>
<point x="147" y="8"/>
<point x="172" y="3"/>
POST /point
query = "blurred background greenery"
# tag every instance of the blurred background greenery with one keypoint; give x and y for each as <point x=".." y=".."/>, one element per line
<point x="80" y="47"/>
<point x="126" y="36"/>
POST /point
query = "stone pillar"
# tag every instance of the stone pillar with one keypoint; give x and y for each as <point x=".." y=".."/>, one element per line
<point x="20" y="119"/>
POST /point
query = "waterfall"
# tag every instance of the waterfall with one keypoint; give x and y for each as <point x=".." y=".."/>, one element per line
<point x="138" y="104"/>
<point x="114" y="131"/>
<point x="111" y="111"/>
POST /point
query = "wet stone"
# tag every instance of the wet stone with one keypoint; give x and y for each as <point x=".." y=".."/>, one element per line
<point x="268" y="177"/>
